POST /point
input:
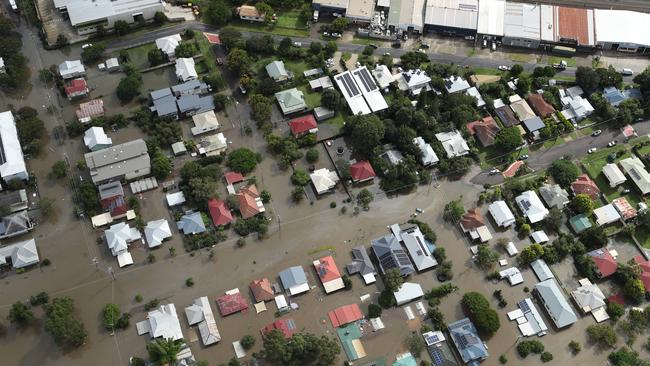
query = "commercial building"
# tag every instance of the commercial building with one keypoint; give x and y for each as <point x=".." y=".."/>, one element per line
<point x="491" y="15"/>
<point x="12" y="162"/>
<point x="575" y="26"/>
<point x="121" y="162"/>
<point x="360" y="11"/>
<point x="85" y="16"/>
<point x="406" y="15"/>
<point x="331" y="6"/>
<point x="622" y="30"/>
<point x="521" y="25"/>
<point x="451" y="17"/>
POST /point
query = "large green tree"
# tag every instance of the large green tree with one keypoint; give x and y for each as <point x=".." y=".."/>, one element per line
<point x="218" y="12"/>
<point x="239" y="60"/>
<point x="587" y="78"/>
<point x="164" y="351"/>
<point x="508" y="139"/>
<point x="366" y="133"/>
<point x="242" y="160"/>
<point x="62" y="324"/>
<point x="302" y="349"/>
<point x="393" y="279"/>
<point x="564" y="172"/>
<point x="260" y="108"/>
<point x="20" y="314"/>
<point x="602" y="334"/>
<point x="583" y="203"/>
<point x="478" y="310"/>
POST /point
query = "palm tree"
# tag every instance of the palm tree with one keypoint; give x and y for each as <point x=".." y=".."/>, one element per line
<point x="164" y="351"/>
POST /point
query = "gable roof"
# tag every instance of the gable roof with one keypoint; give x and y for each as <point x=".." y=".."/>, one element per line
<point x="391" y="255"/>
<point x="428" y="154"/>
<point x="485" y="130"/>
<point x="76" y="87"/>
<point x="277" y="71"/>
<point x="204" y="122"/>
<point x="613" y="174"/>
<point x="605" y="262"/>
<point x="291" y="100"/>
<point x="467" y="341"/>
<point x="361" y="171"/>
<point x="644" y="264"/>
<point x="326" y="269"/>
<point x="119" y="235"/>
<point x="303" y="124"/>
<point x="22" y="254"/>
<point x="361" y="262"/>
<point x="250" y="203"/>
<point x="293" y="277"/>
<point x="344" y="315"/>
<point x="164" y="323"/>
<point x="286" y="326"/>
<point x="589" y="297"/>
<point x="533" y="124"/>
<point x="580" y="223"/>
<point x="472" y="219"/>
<point x="584" y="185"/>
<point x="541" y="269"/>
<point x="219" y="212"/>
<point x="89" y="109"/>
<point x="532" y="207"/>
<point x="635" y="168"/>
<point x="201" y="313"/>
<point x="522" y="110"/>
<point x="418" y="248"/>
<point x="233" y="177"/>
<point x="501" y="213"/>
<point x="507" y="116"/>
<point x="540" y="105"/>
<point x="168" y="44"/>
<point x="191" y="223"/>
<point x="95" y="137"/>
<point x="558" y="308"/>
<point x="554" y="195"/>
<point x="13" y="163"/>
<point x="324" y="180"/>
<point x="624" y="208"/>
<point x="455" y="83"/>
<point x="262" y="290"/>
<point x="454" y="143"/>
<point x="185" y="69"/>
<point x="606" y="214"/>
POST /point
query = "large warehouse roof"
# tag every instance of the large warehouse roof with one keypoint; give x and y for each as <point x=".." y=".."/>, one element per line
<point x="622" y="26"/>
<point x="351" y="92"/>
<point x="406" y="14"/>
<point x="452" y="13"/>
<point x="575" y="24"/>
<point x="84" y="11"/>
<point x="522" y="21"/>
<point x="490" y="17"/>
<point x="547" y="22"/>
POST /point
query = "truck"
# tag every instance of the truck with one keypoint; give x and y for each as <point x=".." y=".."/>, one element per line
<point x="560" y="66"/>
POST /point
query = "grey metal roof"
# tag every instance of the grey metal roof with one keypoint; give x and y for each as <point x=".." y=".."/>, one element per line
<point x="555" y="303"/>
<point x="194" y="86"/>
<point x="129" y="159"/>
<point x="276" y="70"/>
<point x="109" y="190"/>
<point x="191" y="223"/>
<point x="166" y="106"/>
<point x="15" y="224"/>
<point x="293" y="276"/>
<point x="554" y="195"/>
<point x="192" y="102"/>
<point x="418" y="250"/>
<point x="467" y="341"/>
<point x="390" y="255"/>
<point x="13" y="199"/>
<point x="157" y="94"/>
<point x="361" y="262"/>
<point x="534" y="124"/>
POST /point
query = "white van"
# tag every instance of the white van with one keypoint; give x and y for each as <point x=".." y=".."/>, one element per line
<point x="627" y="72"/>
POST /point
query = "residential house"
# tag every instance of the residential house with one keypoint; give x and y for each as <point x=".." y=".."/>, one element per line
<point x="614" y="175"/>
<point x="554" y="195"/>
<point x="112" y="64"/>
<point x="204" y="122"/>
<point x="361" y="171"/>
<point x="189" y="105"/>
<point x="322" y="83"/>
<point x="328" y="274"/>
<point x="384" y="77"/>
<point x="212" y="145"/>
<point x="418" y="248"/>
<point x="392" y="155"/>
<point x="580" y="223"/>
<point x="584" y="185"/>
<point x="368" y="88"/>
<point x="507" y="116"/>
<point x="635" y="168"/>
<point x="200" y="313"/>
<point x="111" y="198"/>
<point x="529" y="320"/>
<point x="76" y="88"/>
<point x="191" y="223"/>
<point x="321" y="113"/>
<point x="14" y="201"/>
<point x="485" y="130"/>
<point x="604" y="261"/>
<point x="291" y="101"/>
<point x="191" y="87"/>
<point x="175" y="198"/>
<point x="429" y="156"/>
<point x="590" y="300"/>
<point x="531" y="206"/>
<point x="89" y="110"/>
<point x="250" y="203"/>
<point x="185" y="69"/>
<point x="533" y="126"/>
<point x="96" y="139"/>
<point x="615" y="96"/>
<point x="71" y="69"/>
<point x="303" y="125"/>
<point x="513" y="274"/>
<point x="118" y="238"/>
<point x="540" y="106"/>
<point x="162" y="323"/>
<point x="164" y="103"/>
<point x="277" y="71"/>
<point x="501" y="214"/>
<point x="232" y="302"/>
<point x="344" y="315"/>
<point x="262" y="290"/>
<point x="15" y="224"/>
<point x="539" y="237"/>
<point x="352" y="93"/>
<point x="232" y="178"/>
<point x="324" y="180"/>
<point x="132" y="162"/>
<point x="167" y="45"/>
<point x="250" y="13"/>
<point x="624" y="208"/>
<point x="294" y="280"/>
<point x="390" y="255"/>
<point x="644" y="265"/>
<point x="467" y="341"/>
<point x="362" y="265"/>
<point x="413" y="81"/>
<point x="555" y="304"/>
<point x="455" y="84"/>
<point x="473" y="92"/>
<point x="575" y="107"/>
<point x="521" y="109"/>
<point x="19" y="255"/>
<point x="453" y="143"/>
<point x="285" y="326"/>
<point x="472" y="223"/>
<point x="156" y="232"/>
<point x="606" y="215"/>
<point x="219" y="212"/>
<point x="408" y="292"/>
<point x="542" y="270"/>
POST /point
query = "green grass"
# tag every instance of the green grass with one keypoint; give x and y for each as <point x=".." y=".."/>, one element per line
<point x="643" y="151"/>
<point x="566" y="78"/>
<point x="338" y="120"/>
<point x="296" y="67"/>
<point x="486" y="71"/>
<point x="595" y="162"/>
<point x="586" y="131"/>
<point x="364" y="41"/>
<point x="552" y="142"/>
<point x="557" y="59"/>
<point x="345" y="56"/>
<point x="270" y="29"/>
<point x="521" y="58"/>
<point x="642" y="234"/>
<point x="323" y="248"/>
<point x="312" y="99"/>
<point x="138" y="56"/>
<point x="291" y="19"/>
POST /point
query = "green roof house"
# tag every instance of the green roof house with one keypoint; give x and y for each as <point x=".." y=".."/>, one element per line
<point x="405" y="359"/>
<point x="580" y="223"/>
<point x="277" y="71"/>
<point x="291" y="101"/>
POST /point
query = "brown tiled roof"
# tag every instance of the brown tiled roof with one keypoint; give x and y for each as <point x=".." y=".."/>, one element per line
<point x="472" y="219"/>
<point x="584" y="185"/>
<point x="485" y="130"/>
<point x="262" y="290"/>
<point x="540" y="106"/>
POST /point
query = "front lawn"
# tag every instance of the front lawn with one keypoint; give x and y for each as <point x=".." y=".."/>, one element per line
<point x="595" y="162"/>
<point x="296" y="67"/>
<point x="291" y="19"/>
<point x="312" y="99"/>
<point x="487" y="71"/>
<point x="642" y="234"/>
<point x="557" y="59"/>
<point x="138" y="56"/>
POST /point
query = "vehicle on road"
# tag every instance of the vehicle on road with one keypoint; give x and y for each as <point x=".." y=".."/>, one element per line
<point x="504" y="68"/>
<point x="612" y="143"/>
<point x="387" y="54"/>
<point x="373" y="45"/>
<point x="297" y="44"/>
<point x="596" y="133"/>
<point x="315" y="15"/>
<point x="560" y="66"/>
<point x="494" y="171"/>
<point x="421" y="50"/>
<point x="418" y="210"/>
<point x="524" y="157"/>
<point x="626" y="72"/>
<point x="84" y="46"/>
<point x="592" y="150"/>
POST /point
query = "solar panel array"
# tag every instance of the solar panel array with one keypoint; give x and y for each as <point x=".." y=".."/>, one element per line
<point x="525" y="204"/>
<point x="523" y="305"/>
<point x="366" y="79"/>
<point x="387" y="261"/>
<point x="436" y="356"/>
<point x="431" y="338"/>
<point x="635" y="174"/>
<point x="349" y="84"/>
<point x="402" y="258"/>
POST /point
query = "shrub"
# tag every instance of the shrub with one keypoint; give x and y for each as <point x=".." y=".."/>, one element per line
<point x="547" y="357"/>
<point x="480" y="313"/>
<point x="575" y="347"/>
<point x="189" y="282"/>
<point x="374" y="311"/>
<point x="503" y="360"/>
<point x="39" y="299"/>
<point x="387" y="299"/>
<point x="524" y="348"/>
<point x="248" y="342"/>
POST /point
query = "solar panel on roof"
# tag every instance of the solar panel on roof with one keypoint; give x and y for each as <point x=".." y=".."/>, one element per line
<point x="436" y="356"/>
<point x="347" y="78"/>
<point x="431" y="338"/>
<point x="635" y="174"/>
<point x="523" y="305"/>
<point x="366" y="80"/>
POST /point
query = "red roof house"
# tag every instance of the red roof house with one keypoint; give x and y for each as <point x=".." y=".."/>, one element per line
<point x="362" y="171"/>
<point x="329" y="274"/>
<point x="233" y="177"/>
<point x="645" y="271"/>
<point x="76" y="88"/>
<point x="345" y="314"/>
<point x="219" y="212"/>
<point x="512" y="169"/>
<point x="250" y="203"/>
<point x="540" y="106"/>
<point x="303" y="125"/>
<point x="485" y="130"/>
<point x="232" y="303"/>
<point x="584" y="185"/>
<point x="472" y="219"/>
<point x="116" y="205"/>
<point x="286" y="326"/>
<point x="603" y="259"/>
<point x="262" y="290"/>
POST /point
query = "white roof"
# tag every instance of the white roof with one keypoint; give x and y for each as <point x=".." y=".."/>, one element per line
<point x="455" y="84"/>
<point x="636" y="170"/>
<point x="164" y="323"/>
<point x="532" y="207"/>
<point x="539" y="237"/>
<point x="541" y="269"/>
<point x="124" y="259"/>
<point x="461" y="14"/>
<point x="511" y="249"/>
<point x="473" y="91"/>
<point x="418" y="249"/>
<point x="589" y="297"/>
<point x="513" y="275"/>
<point x="490" y="17"/>
<point x="428" y="155"/>
<point x="614" y="175"/>
<point x="168" y="44"/>
<point x="71" y="68"/>
<point x="204" y="122"/>
<point x="606" y="215"/>
<point x="454" y="143"/>
<point x="383" y="76"/>
<point x="119" y="235"/>
<point x="175" y="198"/>
<point x="83" y="11"/>
<point x="96" y="136"/>
<point x="12" y="162"/>
<point x="414" y="81"/>
<point x="529" y="321"/>
<point x="213" y="144"/>
<point x="406" y="13"/>
<point x="157" y="231"/>
<point x="408" y="292"/>
<point x="352" y="93"/>
<point x="576" y="107"/>
<point x="281" y="302"/>
<point x="324" y="180"/>
<point x="622" y="26"/>
<point x="555" y="303"/>
<point x="369" y="89"/>
<point x="185" y="70"/>
<point x="112" y="63"/>
<point x="501" y="213"/>
<point x="200" y="312"/>
<point x="548" y="28"/>
<point x="522" y="21"/>
<point x="22" y="254"/>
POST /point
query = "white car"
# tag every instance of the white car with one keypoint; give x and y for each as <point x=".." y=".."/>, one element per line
<point x="596" y="133"/>
<point x="297" y="44"/>
<point x="611" y="143"/>
<point x="84" y="46"/>
<point x="494" y="171"/>
<point x="504" y="68"/>
<point x="592" y="150"/>
<point x="387" y="54"/>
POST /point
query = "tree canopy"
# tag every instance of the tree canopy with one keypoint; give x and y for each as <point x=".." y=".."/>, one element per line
<point x="242" y="160"/>
<point x="218" y="12"/>
<point x="583" y="203"/>
<point x="564" y="172"/>
<point x="508" y="139"/>
<point x="239" y="60"/>
<point x="393" y="279"/>
<point x="302" y="349"/>
<point x="413" y="60"/>
<point x="366" y="133"/>
<point x="61" y="323"/>
<point x="478" y="310"/>
<point x="587" y="78"/>
<point x="164" y="351"/>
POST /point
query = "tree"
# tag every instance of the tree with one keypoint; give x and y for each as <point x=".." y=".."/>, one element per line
<point x="264" y="9"/>
<point x="629" y="111"/>
<point x="546" y="357"/>
<point x="516" y="70"/>
<point x="110" y="315"/>
<point x="634" y="290"/>
<point x="428" y="233"/>
<point x="594" y="237"/>
<point x="303" y="349"/>
<point x="159" y="17"/>
<point x="121" y="27"/>
<point x="129" y="87"/>
<point x="297" y="194"/>
<point x="415" y="344"/>
<point x="59" y="170"/>
<point x="508" y="139"/>
<point x="486" y="257"/>
<point x="626" y="357"/>
<point x="524" y="348"/>
<point x="312" y="155"/>
<point x="564" y="172"/>
<point x="161" y="165"/>
<point x="479" y="312"/>
<point x="260" y="108"/>
<point x="366" y="133"/>
<point x="602" y="334"/>
<point x="265" y="196"/>
<point x="155" y="57"/>
<point x="41" y="298"/>
<point x="20" y="314"/>
<point x="554" y="219"/>
<point x="587" y="78"/>
<point x="530" y="254"/>
<point x="331" y="98"/>
<point x="364" y="198"/>
<point x="185" y="49"/>
<point x="338" y="25"/>
<point x="93" y="53"/>
<point x="413" y="60"/>
<point x="164" y="351"/>
<point x="393" y="279"/>
<point x="61" y="323"/>
<point x="615" y="310"/>
<point x="454" y="211"/>
<point x="248" y="341"/>
<point x="238" y="60"/>
<point x="523" y="84"/>
<point x="583" y="203"/>
<point x="300" y="178"/>
<point x="242" y="160"/>
<point x="609" y="77"/>
<point x="218" y="12"/>
<point x="374" y="311"/>
<point x="221" y="101"/>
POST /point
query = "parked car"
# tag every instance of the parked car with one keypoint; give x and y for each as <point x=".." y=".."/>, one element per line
<point x="219" y="61"/>
<point x="387" y="54"/>
<point x="418" y="210"/>
<point x="504" y="68"/>
<point x="523" y="157"/>
<point x="592" y="150"/>
<point x="494" y="171"/>
<point x="627" y="72"/>
<point x="596" y="133"/>
<point x="612" y="143"/>
<point x="373" y="45"/>
<point x="84" y="46"/>
<point x="297" y="44"/>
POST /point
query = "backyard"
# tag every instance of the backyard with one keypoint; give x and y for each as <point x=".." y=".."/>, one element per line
<point x="594" y="165"/>
<point x="290" y="23"/>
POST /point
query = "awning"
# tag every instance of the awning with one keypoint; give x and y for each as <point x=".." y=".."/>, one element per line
<point x="260" y="307"/>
